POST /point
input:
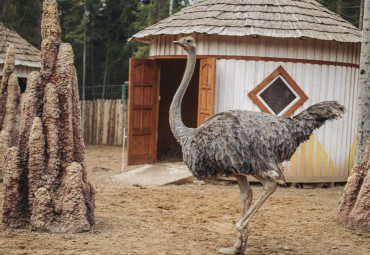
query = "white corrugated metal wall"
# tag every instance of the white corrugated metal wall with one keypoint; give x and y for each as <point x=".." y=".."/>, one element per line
<point x="21" y="71"/>
<point x="329" y="154"/>
<point x="328" y="151"/>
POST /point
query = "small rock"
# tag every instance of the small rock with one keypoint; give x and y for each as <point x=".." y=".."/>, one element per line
<point x="139" y="186"/>
<point x="199" y="182"/>
<point x="284" y="247"/>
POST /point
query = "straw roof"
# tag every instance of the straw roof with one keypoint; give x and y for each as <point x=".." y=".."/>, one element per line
<point x="25" y="53"/>
<point x="272" y="18"/>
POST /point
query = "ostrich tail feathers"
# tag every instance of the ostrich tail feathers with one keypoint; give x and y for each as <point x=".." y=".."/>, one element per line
<point x="317" y="114"/>
<point x="314" y="117"/>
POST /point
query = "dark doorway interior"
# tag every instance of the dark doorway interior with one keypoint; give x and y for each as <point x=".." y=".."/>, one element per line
<point x="22" y="84"/>
<point x="171" y="74"/>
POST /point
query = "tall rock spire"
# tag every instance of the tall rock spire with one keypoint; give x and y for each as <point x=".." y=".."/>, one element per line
<point x="47" y="173"/>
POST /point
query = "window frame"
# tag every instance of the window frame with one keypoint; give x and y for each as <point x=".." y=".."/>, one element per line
<point x="301" y="97"/>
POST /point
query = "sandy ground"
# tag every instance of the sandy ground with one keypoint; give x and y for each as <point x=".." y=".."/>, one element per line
<point x="192" y="219"/>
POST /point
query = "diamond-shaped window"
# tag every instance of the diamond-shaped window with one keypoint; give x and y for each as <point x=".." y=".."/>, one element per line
<point x="278" y="94"/>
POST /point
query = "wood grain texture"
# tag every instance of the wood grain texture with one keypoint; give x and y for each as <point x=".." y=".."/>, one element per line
<point x="142" y="112"/>
<point x="255" y="58"/>
<point x="207" y="84"/>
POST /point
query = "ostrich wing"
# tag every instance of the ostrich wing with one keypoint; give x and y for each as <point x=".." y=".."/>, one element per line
<point x="239" y="142"/>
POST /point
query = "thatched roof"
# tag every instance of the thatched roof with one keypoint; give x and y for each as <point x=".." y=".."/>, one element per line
<point x="271" y="18"/>
<point x="25" y="53"/>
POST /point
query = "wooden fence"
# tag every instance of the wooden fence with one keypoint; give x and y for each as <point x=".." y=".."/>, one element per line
<point x="105" y="121"/>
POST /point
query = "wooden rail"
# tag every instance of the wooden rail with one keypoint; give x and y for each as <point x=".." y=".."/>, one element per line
<point x="105" y="121"/>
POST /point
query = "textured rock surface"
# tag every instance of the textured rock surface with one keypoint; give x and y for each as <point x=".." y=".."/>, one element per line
<point x="14" y="205"/>
<point x="4" y="143"/>
<point x="7" y="72"/>
<point x="46" y="186"/>
<point x="9" y="107"/>
<point x="354" y="207"/>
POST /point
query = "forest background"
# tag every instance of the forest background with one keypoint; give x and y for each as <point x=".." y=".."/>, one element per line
<point x="101" y="28"/>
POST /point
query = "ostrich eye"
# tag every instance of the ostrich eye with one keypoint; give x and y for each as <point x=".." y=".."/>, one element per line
<point x="188" y="41"/>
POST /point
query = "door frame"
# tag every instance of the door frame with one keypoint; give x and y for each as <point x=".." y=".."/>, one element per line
<point x="157" y="84"/>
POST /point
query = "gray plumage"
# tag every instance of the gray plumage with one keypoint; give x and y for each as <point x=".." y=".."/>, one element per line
<point x="244" y="142"/>
<point x="241" y="143"/>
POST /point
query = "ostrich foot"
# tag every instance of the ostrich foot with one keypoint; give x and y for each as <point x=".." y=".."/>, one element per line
<point x="230" y="250"/>
<point x="240" y="245"/>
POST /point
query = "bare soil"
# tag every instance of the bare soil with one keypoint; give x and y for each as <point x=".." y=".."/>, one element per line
<point x="192" y="219"/>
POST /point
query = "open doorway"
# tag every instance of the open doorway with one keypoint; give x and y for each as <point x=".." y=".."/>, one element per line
<point x="170" y="78"/>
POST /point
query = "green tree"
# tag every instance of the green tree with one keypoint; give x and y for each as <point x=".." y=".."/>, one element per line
<point x="150" y="12"/>
<point x="347" y="9"/>
<point x="23" y="16"/>
<point x="107" y="24"/>
<point x="71" y="16"/>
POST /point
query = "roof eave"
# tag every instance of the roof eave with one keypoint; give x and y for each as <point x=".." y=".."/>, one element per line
<point x="147" y="38"/>
<point x="24" y="63"/>
<point x="143" y="40"/>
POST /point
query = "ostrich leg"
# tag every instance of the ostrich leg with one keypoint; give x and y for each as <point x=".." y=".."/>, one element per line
<point x="269" y="187"/>
<point x="246" y="195"/>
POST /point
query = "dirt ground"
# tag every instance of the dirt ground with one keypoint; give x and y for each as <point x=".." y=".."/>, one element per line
<point x="192" y="219"/>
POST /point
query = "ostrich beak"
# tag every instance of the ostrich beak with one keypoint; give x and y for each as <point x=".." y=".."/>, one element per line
<point x="176" y="42"/>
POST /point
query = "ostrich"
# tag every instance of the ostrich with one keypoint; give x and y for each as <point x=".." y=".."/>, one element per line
<point x="240" y="143"/>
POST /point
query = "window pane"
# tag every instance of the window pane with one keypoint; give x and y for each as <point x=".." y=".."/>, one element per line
<point x="278" y="96"/>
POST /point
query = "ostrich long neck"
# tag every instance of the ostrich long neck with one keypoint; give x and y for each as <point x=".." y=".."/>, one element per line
<point x="179" y="130"/>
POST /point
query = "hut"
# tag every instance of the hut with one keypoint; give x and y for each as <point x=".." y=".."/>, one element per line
<point x="260" y="55"/>
<point x="27" y="57"/>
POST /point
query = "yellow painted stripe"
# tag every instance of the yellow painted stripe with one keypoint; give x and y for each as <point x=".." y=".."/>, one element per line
<point x="302" y="160"/>
<point x="318" y="159"/>
<point x="293" y="165"/>
<point x="347" y="164"/>
<point x="331" y="167"/>
<point x="324" y="171"/>
<point x="311" y="145"/>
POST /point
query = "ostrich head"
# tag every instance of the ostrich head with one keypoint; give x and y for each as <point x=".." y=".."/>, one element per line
<point x="187" y="43"/>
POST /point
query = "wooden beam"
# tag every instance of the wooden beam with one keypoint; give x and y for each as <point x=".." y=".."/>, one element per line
<point x="255" y="58"/>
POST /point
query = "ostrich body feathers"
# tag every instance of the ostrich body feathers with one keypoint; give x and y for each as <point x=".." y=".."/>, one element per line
<point x="240" y="142"/>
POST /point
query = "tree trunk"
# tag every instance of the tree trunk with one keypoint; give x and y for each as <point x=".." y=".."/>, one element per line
<point x="84" y="70"/>
<point x="361" y="16"/>
<point x="354" y="207"/>
<point x="339" y="7"/>
<point x="363" y="118"/>
<point x="45" y="185"/>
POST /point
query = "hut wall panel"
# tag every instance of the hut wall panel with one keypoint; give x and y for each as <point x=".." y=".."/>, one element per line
<point x="261" y="47"/>
<point x="329" y="152"/>
<point x="21" y="71"/>
<point x="24" y="71"/>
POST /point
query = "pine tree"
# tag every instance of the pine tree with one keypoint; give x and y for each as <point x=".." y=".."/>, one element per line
<point x="23" y="16"/>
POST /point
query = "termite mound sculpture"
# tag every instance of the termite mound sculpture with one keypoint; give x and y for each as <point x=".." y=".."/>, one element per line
<point x="45" y="185"/>
<point x="9" y="107"/>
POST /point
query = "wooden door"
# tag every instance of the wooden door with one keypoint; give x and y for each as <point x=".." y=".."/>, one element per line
<point x="142" y="111"/>
<point x="207" y="85"/>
